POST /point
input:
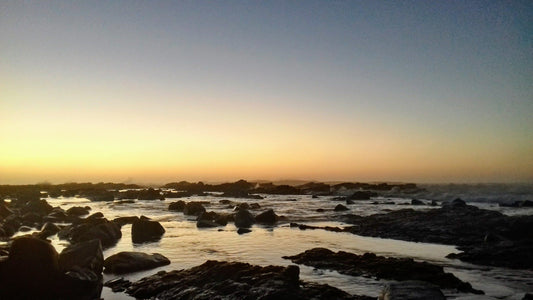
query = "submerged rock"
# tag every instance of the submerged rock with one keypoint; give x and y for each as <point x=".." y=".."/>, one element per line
<point x="380" y="267"/>
<point x="233" y="280"/>
<point x="127" y="262"/>
<point x="145" y="230"/>
<point x="243" y="219"/>
<point x="267" y="217"/>
<point x="340" y="207"/>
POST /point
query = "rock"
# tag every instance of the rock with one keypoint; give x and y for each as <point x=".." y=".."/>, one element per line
<point x="40" y="207"/>
<point x="340" y="207"/>
<point x="150" y="194"/>
<point x="319" y="210"/>
<point x="225" y="201"/>
<point x="121" y="221"/>
<point x="255" y="206"/>
<point x="177" y="206"/>
<point x="31" y="218"/>
<point x="78" y="211"/>
<point x="127" y="262"/>
<point x="4" y="210"/>
<point x="96" y="215"/>
<point x="349" y="201"/>
<point x="362" y="195"/>
<point x="243" y="219"/>
<point x="233" y="280"/>
<point x="146" y="231"/>
<point x="211" y="219"/>
<point x="528" y="296"/>
<point x="457" y="203"/>
<point x="267" y="217"/>
<point x="411" y="290"/>
<point x="107" y="232"/>
<point x="193" y="208"/>
<point x="85" y="255"/>
<point x="101" y="196"/>
<point x="400" y="269"/>
<point x="49" y="229"/>
<point x="243" y="230"/>
<point x="118" y="284"/>
<point x="24" y="229"/>
<point x="416" y="202"/>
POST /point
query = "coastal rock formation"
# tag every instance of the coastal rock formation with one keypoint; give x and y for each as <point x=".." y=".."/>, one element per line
<point x="177" y="206"/>
<point x="78" y="211"/>
<point x="233" y="280"/>
<point x="127" y="262"/>
<point x="381" y="267"/>
<point x="86" y="255"/>
<point x="340" y="207"/>
<point x="211" y="219"/>
<point x="267" y="217"/>
<point x="92" y="228"/>
<point x="149" y="194"/>
<point x="193" y="208"/>
<point x="243" y="218"/>
<point x="411" y="290"/>
<point x="145" y="230"/>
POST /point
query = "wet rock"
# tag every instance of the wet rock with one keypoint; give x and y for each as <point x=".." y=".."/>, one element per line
<point x="146" y="231"/>
<point x="121" y="221"/>
<point x="411" y="290"/>
<point x="78" y="211"/>
<point x="84" y="255"/>
<point x="525" y="203"/>
<point x="4" y="210"/>
<point x="267" y="217"/>
<point x="255" y="206"/>
<point x="49" y="229"/>
<point x="96" y="215"/>
<point x="193" y="208"/>
<point x="362" y="195"/>
<point x="327" y="228"/>
<point x="211" y="219"/>
<point x="243" y="230"/>
<point x="107" y="232"/>
<point x="243" y="219"/>
<point x="232" y="280"/>
<point x="416" y="202"/>
<point x="150" y="194"/>
<point x="349" y="201"/>
<point x="177" y="206"/>
<point x="24" y="229"/>
<point x="225" y="201"/>
<point x="381" y="267"/>
<point x="340" y="207"/>
<point x="127" y="262"/>
<point x="319" y="210"/>
<point x="118" y="284"/>
<point x="101" y="196"/>
<point x="457" y="203"/>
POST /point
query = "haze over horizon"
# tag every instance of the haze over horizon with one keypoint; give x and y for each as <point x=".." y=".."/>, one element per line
<point x="153" y="92"/>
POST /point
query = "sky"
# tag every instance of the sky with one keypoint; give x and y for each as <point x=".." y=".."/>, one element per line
<point x="160" y="91"/>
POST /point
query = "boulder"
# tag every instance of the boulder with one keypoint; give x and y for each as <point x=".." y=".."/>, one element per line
<point x="86" y="255"/>
<point x="145" y="230"/>
<point x="243" y="218"/>
<point x="267" y="217"/>
<point x="193" y="208"/>
<point x="150" y="194"/>
<point x="49" y="229"/>
<point x="127" y="262"/>
<point x="78" y="211"/>
<point x="416" y="202"/>
<point x="177" y="206"/>
<point x="362" y="195"/>
<point x="121" y="221"/>
<point x="107" y="232"/>
<point x="340" y="207"/>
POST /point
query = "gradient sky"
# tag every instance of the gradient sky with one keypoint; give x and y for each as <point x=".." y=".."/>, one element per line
<point x="158" y="91"/>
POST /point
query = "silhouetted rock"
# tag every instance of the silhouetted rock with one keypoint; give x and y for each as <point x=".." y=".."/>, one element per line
<point x="340" y="207"/>
<point x="177" y="206"/>
<point x="314" y="188"/>
<point x="146" y="230"/>
<point x="127" y="262"/>
<point x="243" y="219"/>
<point x="277" y="189"/>
<point x="121" y="221"/>
<point x="99" y="228"/>
<point x="211" y="219"/>
<point x="380" y="267"/>
<point x="49" y="229"/>
<point x="525" y="203"/>
<point x="362" y="195"/>
<point x="243" y="230"/>
<point x="267" y="217"/>
<point x="150" y="194"/>
<point x="118" y="284"/>
<point x="233" y="280"/>
<point x="78" y="210"/>
<point x="416" y="202"/>
<point x="193" y="208"/>
<point x="101" y="196"/>
<point x="411" y="290"/>
<point x="85" y="255"/>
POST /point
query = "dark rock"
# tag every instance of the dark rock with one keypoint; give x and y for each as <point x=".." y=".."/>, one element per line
<point x="243" y="230"/>
<point x="267" y="217"/>
<point x="127" y="262"/>
<point x="232" y="280"/>
<point x="243" y="219"/>
<point x="84" y="255"/>
<point x="107" y="232"/>
<point x="78" y="211"/>
<point x="340" y="207"/>
<point x="146" y="231"/>
<point x="118" y="284"/>
<point x="49" y="229"/>
<point x="211" y="219"/>
<point x="319" y="210"/>
<point x="411" y="290"/>
<point x="457" y="203"/>
<point x="101" y="196"/>
<point x="150" y="194"/>
<point x="349" y="201"/>
<point x="363" y="195"/>
<point x="96" y="215"/>
<point x="40" y="207"/>
<point x="381" y="267"/>
<point x="225" y="201"/>
<point x="121" y="221"/>
<point x="31" y="218"/>
<point x="4" y="210"/>
<point x="24" y="229"/>
<point x="416" y="202"/>
<point x="255" y="206"/>
<point x="193" y="208"/>
<point x="177" y="206"/>
<point x="528" y="296"/>
<point x="270" y="188"/>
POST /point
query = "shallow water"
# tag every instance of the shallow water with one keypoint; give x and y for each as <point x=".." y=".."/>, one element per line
<point x="187" y="246"/>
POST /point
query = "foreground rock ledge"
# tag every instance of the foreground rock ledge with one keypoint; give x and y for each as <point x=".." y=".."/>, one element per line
<point x="233" y="280"/>
<point x="381" y="267"/>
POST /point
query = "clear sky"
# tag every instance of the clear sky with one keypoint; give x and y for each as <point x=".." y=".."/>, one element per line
<point x="158" y="91"/>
